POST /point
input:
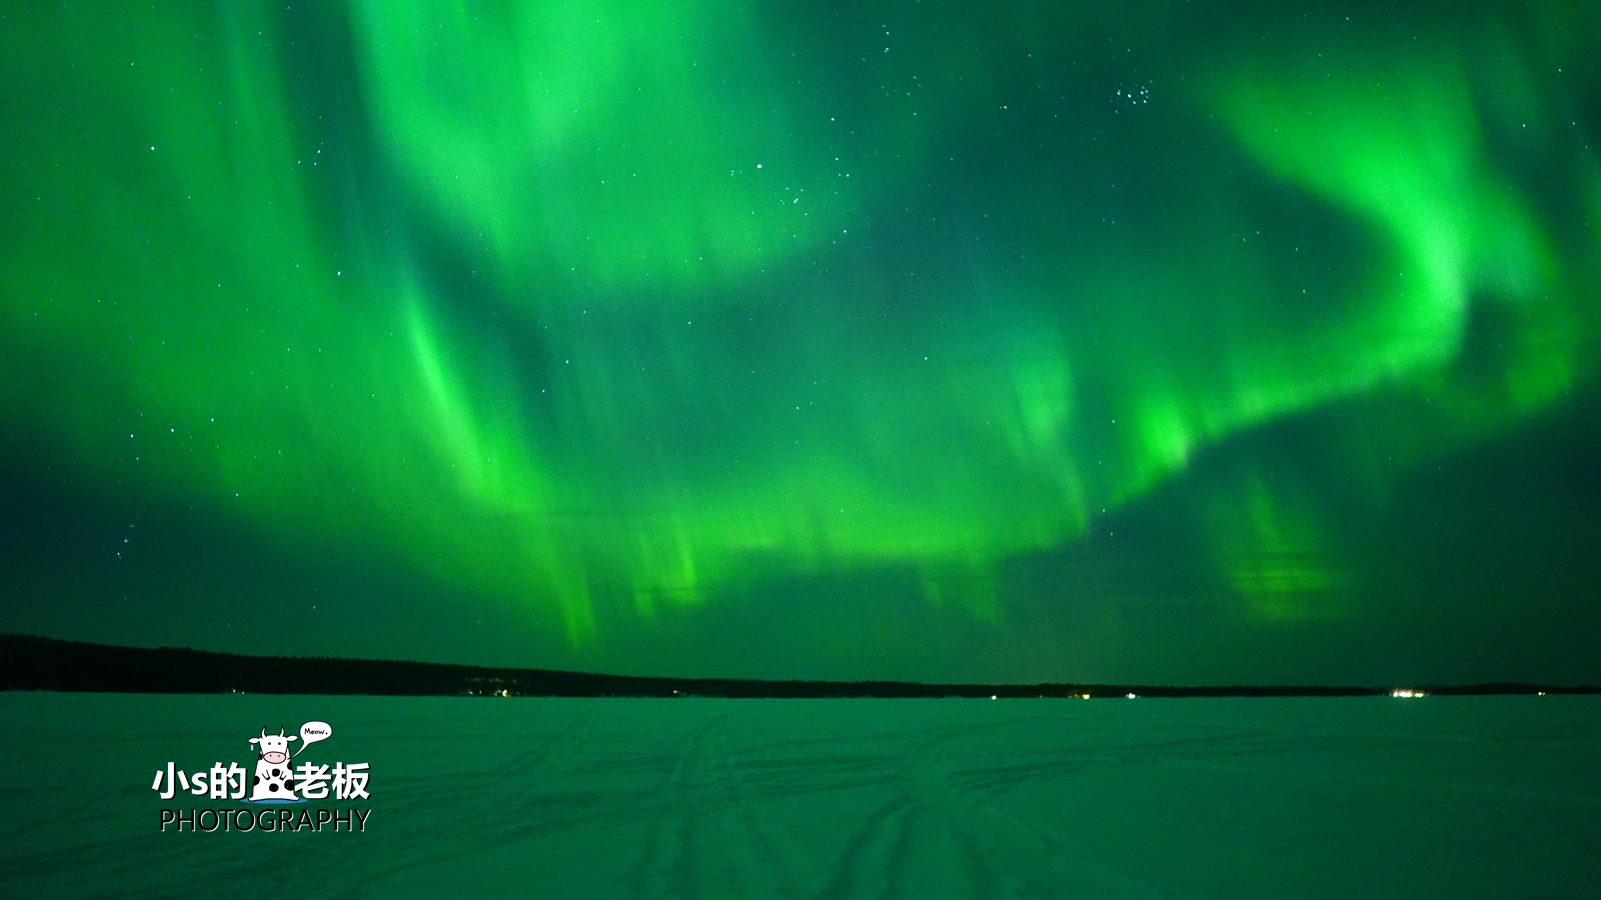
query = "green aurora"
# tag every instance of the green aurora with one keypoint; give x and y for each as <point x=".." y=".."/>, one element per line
<point x="1181" y="341"/>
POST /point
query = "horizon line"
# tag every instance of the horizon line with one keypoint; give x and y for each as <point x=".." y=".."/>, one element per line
<point x="40" y="663"/>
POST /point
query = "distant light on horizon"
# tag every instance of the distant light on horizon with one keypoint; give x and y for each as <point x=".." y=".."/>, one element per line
<point x="1407" y="692"/>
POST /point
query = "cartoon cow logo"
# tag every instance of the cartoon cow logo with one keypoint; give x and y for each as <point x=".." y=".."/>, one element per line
<point x="275" y="776"/>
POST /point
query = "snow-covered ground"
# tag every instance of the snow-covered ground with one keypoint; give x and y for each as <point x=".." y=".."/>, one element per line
<point x="552" y="798"/>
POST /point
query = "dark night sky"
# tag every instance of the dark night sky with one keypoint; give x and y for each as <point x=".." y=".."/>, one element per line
<point x="1181" y="342"/>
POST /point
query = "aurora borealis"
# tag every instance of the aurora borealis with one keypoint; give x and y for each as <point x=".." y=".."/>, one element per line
<point x="1188" y="342"/>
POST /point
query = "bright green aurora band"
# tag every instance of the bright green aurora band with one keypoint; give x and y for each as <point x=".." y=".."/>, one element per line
<point x="1184" y="341"/>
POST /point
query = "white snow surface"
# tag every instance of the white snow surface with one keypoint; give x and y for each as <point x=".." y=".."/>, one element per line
<point x="1436" y="797"/>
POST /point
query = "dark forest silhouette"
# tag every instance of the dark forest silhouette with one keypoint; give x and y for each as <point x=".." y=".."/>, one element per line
<point x="31" y="663"/>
